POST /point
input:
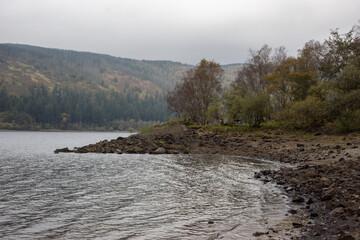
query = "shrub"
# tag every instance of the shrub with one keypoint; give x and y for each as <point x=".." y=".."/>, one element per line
<point x="348" y="121"/>
<point x="307" y="114"/>
<point x="255" y="109"/>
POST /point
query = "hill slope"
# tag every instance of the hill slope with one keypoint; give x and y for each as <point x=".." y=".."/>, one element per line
<point x="66" y="89"/>
<point x="22" y="65"/>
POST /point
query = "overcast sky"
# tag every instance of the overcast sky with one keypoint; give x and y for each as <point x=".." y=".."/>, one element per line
<point x="177" y="30"/>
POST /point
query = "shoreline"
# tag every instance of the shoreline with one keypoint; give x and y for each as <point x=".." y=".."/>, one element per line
<point x="60" y="130"/>
<point x="325" y="178"/>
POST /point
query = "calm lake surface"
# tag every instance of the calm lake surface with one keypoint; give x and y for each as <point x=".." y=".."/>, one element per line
<point x="110" y="196"/>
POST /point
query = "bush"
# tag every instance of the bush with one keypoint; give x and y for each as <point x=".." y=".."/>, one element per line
<point x="252" y="109"/>
<point x="255" y="109"/>
<point x="146" y="129"/>
<point x="216" y="114"/>
<point x="307" y="114"/>
<point x="6" y="125"/>
<point x="348" y="121"/>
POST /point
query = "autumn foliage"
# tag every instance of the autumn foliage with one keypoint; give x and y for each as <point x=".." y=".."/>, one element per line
<point x="200" y="87"/>
<point x="318" y="88"/>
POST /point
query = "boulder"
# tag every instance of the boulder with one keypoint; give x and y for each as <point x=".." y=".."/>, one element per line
<point x="160" y="150"/>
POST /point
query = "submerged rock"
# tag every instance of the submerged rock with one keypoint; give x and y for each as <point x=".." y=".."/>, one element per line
<point x="64" y="150"/>
<point x="297" y="224"/>
<point x="298" y="199"/>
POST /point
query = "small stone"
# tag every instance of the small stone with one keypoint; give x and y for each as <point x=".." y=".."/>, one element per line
<point x="343" y="227"/>
<point x="292" y="211"/>
<point x="338" y="210"/>
<point x="326" y="197"/>
<point x="257" y="175"/>
<point x="297" y="224"/>
<point x="258" y="234"/>
<point x="298" y="199"/>
<point x="314" y="214"/>
<point x="346" y="237"/>
<point x="294" y="181"/>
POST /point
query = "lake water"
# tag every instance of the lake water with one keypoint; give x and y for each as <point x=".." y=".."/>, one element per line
<point x="110" y="196"/>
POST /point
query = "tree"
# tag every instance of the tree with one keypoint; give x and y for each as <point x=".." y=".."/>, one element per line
<point x="340" y="49"/>
<point x="290" y="80"/>
<point x="279" y="83"/>
<point x="251" y="78"/>
<point x="349" y="79"/>
<point x="199" y="88"/>
<point x="312" y="54"/>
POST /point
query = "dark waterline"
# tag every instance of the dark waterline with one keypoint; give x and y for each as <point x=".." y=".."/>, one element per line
<point x="110" y="196"/>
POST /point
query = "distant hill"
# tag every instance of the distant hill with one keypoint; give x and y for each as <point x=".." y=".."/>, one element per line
<point x="52" y="88"/>
<point x="23" y="65"/>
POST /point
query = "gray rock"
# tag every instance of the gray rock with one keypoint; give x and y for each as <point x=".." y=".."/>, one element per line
<point x="160" y="150"/>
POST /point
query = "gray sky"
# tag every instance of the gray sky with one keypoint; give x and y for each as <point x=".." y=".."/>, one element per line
<point x="177" y="30"/>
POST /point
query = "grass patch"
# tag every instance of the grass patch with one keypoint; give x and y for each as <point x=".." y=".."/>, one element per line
<point x="238" y="128"/>
<point x="145" y="130"/>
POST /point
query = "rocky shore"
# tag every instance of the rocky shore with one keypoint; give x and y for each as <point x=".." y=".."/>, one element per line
<point x="325" y="178"/>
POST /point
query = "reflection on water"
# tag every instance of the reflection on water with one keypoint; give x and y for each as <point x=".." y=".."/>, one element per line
<point x="112" y="196"/>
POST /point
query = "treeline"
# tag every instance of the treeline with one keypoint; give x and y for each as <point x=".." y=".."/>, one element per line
<point x="320" y="88"/>
<point x="72" y="108"/>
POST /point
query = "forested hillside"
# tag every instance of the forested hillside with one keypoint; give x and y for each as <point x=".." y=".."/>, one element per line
<point x="23" y="65"/>
<point x="52" y="88"/>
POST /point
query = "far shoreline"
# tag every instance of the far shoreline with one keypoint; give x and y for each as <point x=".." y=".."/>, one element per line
<point x="60" y="130"/>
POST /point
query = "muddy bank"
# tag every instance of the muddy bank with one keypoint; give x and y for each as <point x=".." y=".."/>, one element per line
<point x="325" y="181"/>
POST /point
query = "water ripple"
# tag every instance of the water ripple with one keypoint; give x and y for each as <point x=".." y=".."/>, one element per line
<point x="74" y="196"/>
